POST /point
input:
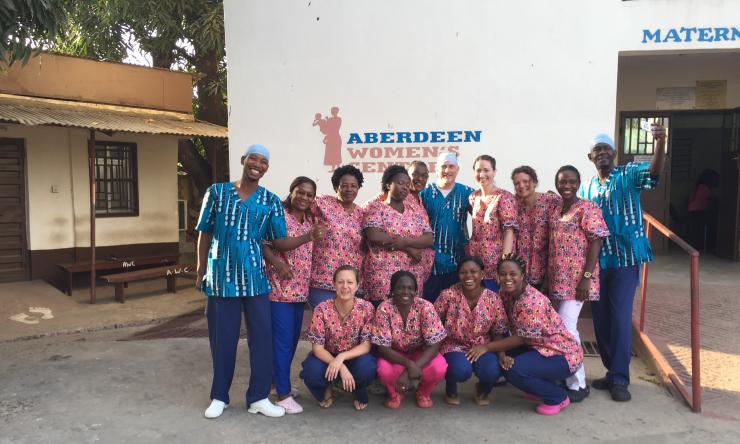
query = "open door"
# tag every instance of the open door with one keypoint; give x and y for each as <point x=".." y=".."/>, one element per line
<point x="637" y="145"/>
<point x="728" y="228"/>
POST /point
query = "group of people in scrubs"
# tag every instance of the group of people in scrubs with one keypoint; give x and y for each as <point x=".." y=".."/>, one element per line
<point x="402" y="297"/>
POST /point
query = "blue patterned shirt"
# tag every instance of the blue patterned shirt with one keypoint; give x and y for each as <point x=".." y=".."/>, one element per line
<point x="619" y="200"/>
<point x="448" y="217"/>
<point x="235" y="265"/>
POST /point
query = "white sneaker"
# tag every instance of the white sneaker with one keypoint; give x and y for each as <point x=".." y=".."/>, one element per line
<point x="215" y="409"/>
<point x="267" y="408"/>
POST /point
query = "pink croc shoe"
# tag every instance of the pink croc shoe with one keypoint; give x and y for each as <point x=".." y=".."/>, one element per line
<point x="549" y="410"/>
<point x="290" y="405"/>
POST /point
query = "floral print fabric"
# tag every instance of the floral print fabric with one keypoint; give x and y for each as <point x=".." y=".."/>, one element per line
<point x="570" y="234"/>
<point x="466" y="327"/>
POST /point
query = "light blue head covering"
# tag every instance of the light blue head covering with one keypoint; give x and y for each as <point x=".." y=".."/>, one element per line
<point x="446" y="157"/>
<point x="258" y="149"/>
<point x="601" y="138"/>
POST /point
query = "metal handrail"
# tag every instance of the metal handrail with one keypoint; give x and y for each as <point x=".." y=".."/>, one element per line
<point x="694" y="401"/>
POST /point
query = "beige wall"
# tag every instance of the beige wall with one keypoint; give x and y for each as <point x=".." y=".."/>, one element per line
<point x="62" y="77"/>
<point x="640" y="76"/>
<point x="58" y="157"/>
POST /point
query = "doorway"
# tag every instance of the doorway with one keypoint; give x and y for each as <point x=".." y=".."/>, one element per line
<point x="698" y="195"/>
<point x="13" y="245"/>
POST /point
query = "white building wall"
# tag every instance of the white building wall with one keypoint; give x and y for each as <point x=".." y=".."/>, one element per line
<point x="537" y="77"/>
<point x="57" y="157"/>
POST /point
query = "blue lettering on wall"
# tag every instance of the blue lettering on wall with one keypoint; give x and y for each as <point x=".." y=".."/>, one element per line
<point x="686" y="35"/>
<point x="456" y="136"/>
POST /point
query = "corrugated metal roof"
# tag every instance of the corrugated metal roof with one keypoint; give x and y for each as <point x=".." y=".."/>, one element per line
<point x="36" y="111"/>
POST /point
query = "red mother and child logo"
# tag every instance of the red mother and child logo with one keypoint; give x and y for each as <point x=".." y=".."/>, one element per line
<point x="329" y="127"/>
<point x="374" y="152"/>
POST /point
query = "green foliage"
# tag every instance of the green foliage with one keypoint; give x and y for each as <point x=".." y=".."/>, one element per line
<point x="25" y="26"/>
<point x="178" y="34"/>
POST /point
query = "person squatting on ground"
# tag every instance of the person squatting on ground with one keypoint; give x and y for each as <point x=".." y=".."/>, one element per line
<point x="540" y="351"/>
<point x="289" y="272"/>
<point x="616" y="190"/>
<point x="234" y="221"/>
<point x="473" y="316"/>
<point x="340" y="333"/>
<point x="576" y="230"/>
<point x="408" y="333"/>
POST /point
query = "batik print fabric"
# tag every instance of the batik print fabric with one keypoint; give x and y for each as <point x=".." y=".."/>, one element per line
<point x="492" y="215"/>
<point x="235" y="264"/>
<point x="422" y="328"/>
<point x="381" y="263"/>
<point x="619" y="200"/>
<point x="337" y="336"/>
<point x="532" y="317"/>
<point x="467" y="328"/>
<point x="299" y="260"/>
<point x="570" y="234"/>
<point x="534" y="235"/>
<point x="342" y="244"/>
<point x="448" y="217"/>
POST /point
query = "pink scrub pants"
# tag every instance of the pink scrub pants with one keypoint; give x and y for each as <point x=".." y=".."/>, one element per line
<point x="431" y="374"/>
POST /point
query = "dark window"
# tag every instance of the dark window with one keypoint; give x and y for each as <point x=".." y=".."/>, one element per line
<point x="116" y="182"/>
<point x="638" y="141"/>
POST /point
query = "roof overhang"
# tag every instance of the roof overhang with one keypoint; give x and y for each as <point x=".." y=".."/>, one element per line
<point x="106" y="118"/>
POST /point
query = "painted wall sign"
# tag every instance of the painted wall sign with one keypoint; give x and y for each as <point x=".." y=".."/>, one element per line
<point x="693" y="34"/>
<point x="374" y="151"/>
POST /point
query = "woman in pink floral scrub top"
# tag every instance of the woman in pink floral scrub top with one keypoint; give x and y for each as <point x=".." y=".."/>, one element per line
<point x="494" y="216"/>
<point x="576" y="231"/>
<point x="408" y="332"/>
<point x="340" y="333"/>
<point x="534" y="211"/>
<point x="288" y="273"/>
<point x="539" y="351"/>
<point x="396" y="235"/>
<point x="473" y="316"/>
<point x="343" y="243"/>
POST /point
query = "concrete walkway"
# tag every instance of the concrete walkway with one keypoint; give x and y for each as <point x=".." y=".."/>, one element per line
<point x="97" y="388"/>
<point x="668" y="326"/>
<point x="146" y="302"/>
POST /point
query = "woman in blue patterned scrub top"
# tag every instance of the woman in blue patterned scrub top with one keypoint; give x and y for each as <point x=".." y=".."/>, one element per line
<point x="234" y="221"/>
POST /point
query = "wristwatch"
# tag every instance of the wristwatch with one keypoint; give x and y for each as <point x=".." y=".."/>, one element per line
<point x="587" y="274"/>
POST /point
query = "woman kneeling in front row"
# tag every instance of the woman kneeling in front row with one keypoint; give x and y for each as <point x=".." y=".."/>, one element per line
<point x="473" y="316"/>
<point x="408" y="331"/>
<point x="340" y="332"/>
<point x="540" y="350"/>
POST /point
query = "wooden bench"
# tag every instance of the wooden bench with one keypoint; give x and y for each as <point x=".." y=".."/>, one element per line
<point x="72" y="268"/>
<point x="170" y="272"/>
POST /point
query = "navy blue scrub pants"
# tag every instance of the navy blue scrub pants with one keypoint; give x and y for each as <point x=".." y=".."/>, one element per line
<point x="612" y="316"/>
<point x="319" y="295"/>
<point x="362" y="368"/>
<point x="436" y="283"/>
<point x="224" y="322"/>
<point x="459" y="369"/>
<point x="287" y="318"/>
<point x="537" y="375"/>
<point x="491" y="284"/>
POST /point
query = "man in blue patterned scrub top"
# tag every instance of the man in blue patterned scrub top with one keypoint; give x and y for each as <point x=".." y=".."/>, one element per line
<point x="234" y="221"/>
<point x="446" y="202"/>
<point x="616" y="189"/>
